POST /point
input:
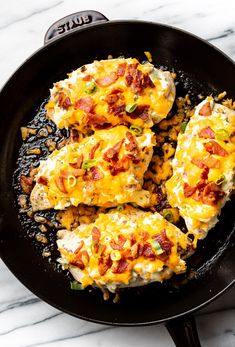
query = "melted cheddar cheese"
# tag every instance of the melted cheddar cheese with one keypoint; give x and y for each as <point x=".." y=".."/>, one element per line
<point x="104" y="169"/>
<point x="128" y="248"/>
<point x="203" y="167"/>
<point x="111" y="92"/>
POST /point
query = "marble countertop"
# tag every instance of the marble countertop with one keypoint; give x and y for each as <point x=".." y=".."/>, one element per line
<point x="25" y="320"/>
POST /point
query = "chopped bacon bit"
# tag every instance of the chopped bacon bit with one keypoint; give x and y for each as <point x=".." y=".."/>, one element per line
<point x="213" y="147"/>
<point x="144" y="235"/>
<point x="59" y="181"/>
<point x="98" y="121"/>
<point x="26" y="184"/>
<point x="137" y="80"/>
<point x="121" y="267"/>
<point x="78" y="163"/>
<point x="164" y="242"/>
<point x="121" y="69"/>
<point x="121" y="166"/>
<point x="43" y="180"/>
<point x="198" y="162"/>
<point x="87" y="78"/>
<point x="117" y="110"/>
<point x="129" y="79"/>
<point x="79" y="247"/>
<point x="132" y="145"/>
<point x="134" y="158"/>
<point x="111" y="98"/>
<point x="107" y="80"/>
<point x="104" y="263"/>
<point x="95" y="234"/>
<point x="112" y="153"/>
<point x="188" y="190"/>
<point x="74" y="135"/>
<point x="64" y="101"/>
<point x="85" y="103"/>
<point x="205" y="172"/>
<point x="212" y="163"/>
<point x="212" y="194"/>
<point x="141" y="112"/>
<point x="76" y="173"/>
<point x="96" y="174"/>
<point x="206" y="110"/>
<point x="93" y="150"/>
<point x="207" y="133"/>
<point x="80" y="259"/>
<point x="118" y="245"/>
<point x="148" y="252"/>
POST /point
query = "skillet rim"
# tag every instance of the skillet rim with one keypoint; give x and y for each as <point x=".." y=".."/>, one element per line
<point x="5" y="86"/>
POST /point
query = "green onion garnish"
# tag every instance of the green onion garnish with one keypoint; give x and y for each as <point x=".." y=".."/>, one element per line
<point x="183" y="126"/>
<point x="90" y="87"/>
<point x="220" y="180"/>
<point x="88" y="163"/>
<point x="168" y="215"/>
<point x="74" y="285"/>
<point x="222" y="134"/>
<point x="120" y="208"/>
<point x="157" y="247"/>
<point x="130" y="108"/>
<point x="137" y="130"/>
<point x="134" y="204"/>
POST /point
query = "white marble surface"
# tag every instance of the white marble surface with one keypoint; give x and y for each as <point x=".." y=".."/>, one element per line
<point x="24" y="319"/>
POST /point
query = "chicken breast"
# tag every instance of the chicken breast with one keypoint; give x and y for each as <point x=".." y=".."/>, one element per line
<point x="107" y="93"/>
<point x="105" y="169"/>
<point x="203" y="167"/>
<point x="123" y="249"/>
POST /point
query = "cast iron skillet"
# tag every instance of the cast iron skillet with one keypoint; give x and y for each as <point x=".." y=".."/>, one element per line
<point x="200" y="68"/>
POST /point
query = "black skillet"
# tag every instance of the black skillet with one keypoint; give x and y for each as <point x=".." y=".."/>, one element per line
<point x="201" y="68"/>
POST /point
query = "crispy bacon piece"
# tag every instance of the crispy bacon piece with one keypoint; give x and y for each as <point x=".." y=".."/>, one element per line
<point x="98" y="121"/>
<point x="148" y="252"/>
<point x="188" y="190"/>
<point x="111" y="98"/>
<point x="137" y="80"/>
<point x="74" y="136"/>
<point x="59" y="181"/>
<point x="164" y="242"/>
<point x="206" y="110"/>
<point x="213" y="147"/>
<point x="87" y="78"/>
<point x="95" y="234"/>
<point x="79" y="247"/>
<point x="207" y="133"/>
<point x="85" y="103"/>
<point x="134" y="158"/>
<point x="78" y="163"/>
<point x="112" y="153"/>
<point x="96" y="174"/>
<point x="118" y="245"/>
<point x="132" y="145"/>
<point x="43" y="180"/>
<point x="107" y="80"/>
<point x="121" y="267"/>
<point x="93" y="150"/>
<point x="104" y="263"/>
<point x="121" y="165"/>
<point x="121" y="69"/>
<point x="80" y="259"/>
<point x="64" y="174"/>
<point x="212" y="194"/>
<point x="64" y="101"/>
<point x="26" y="184"/>
<point x="141" y="112"/>
<point x="205" y="172"/>
<point x="210" y="162"/>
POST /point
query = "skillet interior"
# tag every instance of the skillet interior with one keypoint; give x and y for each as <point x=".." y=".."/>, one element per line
<point x="19" y="99"/>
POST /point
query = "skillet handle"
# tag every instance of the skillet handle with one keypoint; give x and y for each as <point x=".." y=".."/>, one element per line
<point x="73" y="22"/>
<point x="184" y="332"/>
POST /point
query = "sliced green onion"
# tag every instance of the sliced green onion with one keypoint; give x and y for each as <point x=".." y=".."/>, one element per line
<point x="134" y="204"/>
<point x="90" y="87"/>
<point x="168" y="215"/>
<point x="156" y="246"/>
<point x="183" y="126"/>
<point x="137" y="130"/>
<point x="222" y="134"/>
<point x="74" y="285"/>
<point x="88" y="163"/>
<point x="120" y="208"/>
<point x="155" y="75"/>
<point x="130" y="108"/>
<point x="220" y="180"/>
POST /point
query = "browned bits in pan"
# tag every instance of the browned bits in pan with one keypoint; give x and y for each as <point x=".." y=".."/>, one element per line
<point x="26" y="132"/>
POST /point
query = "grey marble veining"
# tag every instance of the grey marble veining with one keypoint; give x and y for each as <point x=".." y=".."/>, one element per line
<point x="25" y="320"/>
